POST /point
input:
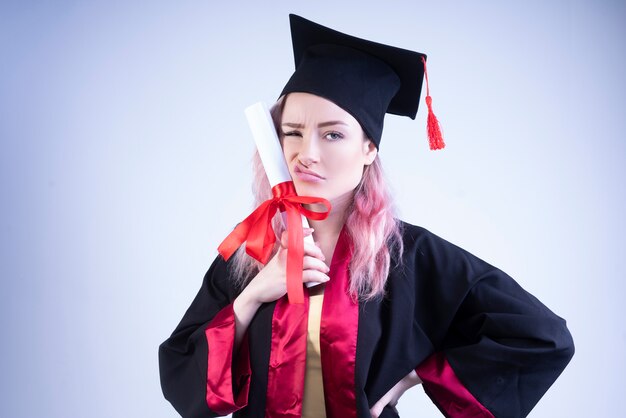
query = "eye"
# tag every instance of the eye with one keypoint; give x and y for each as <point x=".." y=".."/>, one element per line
<point x="333" y="136"/>
<point x="292" y="133"/>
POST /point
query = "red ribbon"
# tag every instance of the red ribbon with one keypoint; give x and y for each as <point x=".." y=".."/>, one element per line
<point x="257" y="232"/>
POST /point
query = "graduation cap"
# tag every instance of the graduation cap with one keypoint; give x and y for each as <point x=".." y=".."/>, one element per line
<point x="365" y="78"/>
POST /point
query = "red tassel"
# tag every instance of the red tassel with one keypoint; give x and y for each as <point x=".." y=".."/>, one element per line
<point x="435" y="138"/>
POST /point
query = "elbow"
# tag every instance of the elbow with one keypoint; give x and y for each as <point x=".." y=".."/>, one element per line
<point x="568" y="346"/>
<point x="564" y="347"/>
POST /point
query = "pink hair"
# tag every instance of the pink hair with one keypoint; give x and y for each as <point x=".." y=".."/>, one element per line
<point x="370" y="223"/>
<point x="375" y="233"/>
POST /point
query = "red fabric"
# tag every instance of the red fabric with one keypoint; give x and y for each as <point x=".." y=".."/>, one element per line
<point x="338" y="336"/>
<point x="285" y="380"/>
<point x="257" y="232"/>
<point x="447" y="391"/>
<point x="221" y="396"/>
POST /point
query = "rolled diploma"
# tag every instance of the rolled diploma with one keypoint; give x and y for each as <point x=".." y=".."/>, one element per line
<point x="271" y="153"/>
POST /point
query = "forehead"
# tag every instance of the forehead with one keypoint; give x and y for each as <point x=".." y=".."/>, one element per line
<point x="306" y="106"/>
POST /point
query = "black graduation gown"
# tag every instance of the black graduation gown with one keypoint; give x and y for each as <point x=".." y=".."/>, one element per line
<point x="482" y="345"/>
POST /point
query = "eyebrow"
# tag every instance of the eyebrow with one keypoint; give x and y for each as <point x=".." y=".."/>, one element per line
<point x="320" y="125"/>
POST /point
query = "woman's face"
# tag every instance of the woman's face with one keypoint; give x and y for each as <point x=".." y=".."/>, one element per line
<point x="325" y="147"/>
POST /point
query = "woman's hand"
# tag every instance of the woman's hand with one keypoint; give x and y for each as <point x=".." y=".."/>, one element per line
<point x="391" y="398"/>
<point x="270" y="283"/>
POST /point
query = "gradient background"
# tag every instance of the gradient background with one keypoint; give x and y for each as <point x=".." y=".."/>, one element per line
<point x="125" y="160"/>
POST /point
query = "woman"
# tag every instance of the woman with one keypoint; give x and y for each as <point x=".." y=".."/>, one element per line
<point x="394" y="306"/>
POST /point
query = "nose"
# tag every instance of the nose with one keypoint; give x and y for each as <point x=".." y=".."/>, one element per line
<point x="309" y="152"/>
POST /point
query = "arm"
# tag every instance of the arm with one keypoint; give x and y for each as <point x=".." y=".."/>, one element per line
<point x="205" y="364"/>
<point x="485" y="346"/>
<point x="270" y="283"/>
<point x="196" y="362"/>
<point x="498" y="349"/>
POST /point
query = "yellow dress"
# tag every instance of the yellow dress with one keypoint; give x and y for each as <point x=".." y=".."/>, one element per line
<point x="313" y="401"/>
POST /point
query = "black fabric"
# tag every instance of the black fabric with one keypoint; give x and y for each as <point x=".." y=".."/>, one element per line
<point x="183" y="357"/>
<point x="260" y="339"/>
<point x="503" y="344"/>
<point x="365" y="78"/>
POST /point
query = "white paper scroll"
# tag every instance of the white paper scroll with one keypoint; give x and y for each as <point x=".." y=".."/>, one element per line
<point x="268" y="144"/>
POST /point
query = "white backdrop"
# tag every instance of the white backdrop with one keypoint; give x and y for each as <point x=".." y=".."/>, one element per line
<point x="125" y="160"/>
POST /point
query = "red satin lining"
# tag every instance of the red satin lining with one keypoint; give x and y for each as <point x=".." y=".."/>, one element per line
<point x="338" y="336"/>
<point x="447" y="391"/>
<point x="285" y="381"/>
<point x="221" y="396"/>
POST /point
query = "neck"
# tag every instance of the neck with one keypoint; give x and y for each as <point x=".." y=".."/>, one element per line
<point x="329" y="228"/>
<point x="326" y="232"/>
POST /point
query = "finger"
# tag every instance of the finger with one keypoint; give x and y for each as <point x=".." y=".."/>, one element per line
<point x="314" y="276"/>
<point x="376" y="409"/>
<point x="284" y="236"/>
<point x="314" y="263"/>
<point x="310" y="249"/>
<point x="313" y="250"/>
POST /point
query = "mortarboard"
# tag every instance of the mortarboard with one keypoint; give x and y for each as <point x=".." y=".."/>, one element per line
<point x="367" y="79"/>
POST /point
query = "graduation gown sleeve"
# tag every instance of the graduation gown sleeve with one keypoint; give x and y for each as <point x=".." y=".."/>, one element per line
<point x="497" y="349"/>
<point x="200" y="373"/>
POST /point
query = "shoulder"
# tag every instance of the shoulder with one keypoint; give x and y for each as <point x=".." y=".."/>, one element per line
<point x="414" y="235"/>
<point x="425" y="245"/>
<point x="431" y="257"/>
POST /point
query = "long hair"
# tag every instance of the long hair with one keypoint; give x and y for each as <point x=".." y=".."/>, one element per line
<point x="371" y="225"/>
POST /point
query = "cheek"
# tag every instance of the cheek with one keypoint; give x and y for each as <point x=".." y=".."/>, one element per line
<point x="288" y="151"/>
<point x="348" y="166"/>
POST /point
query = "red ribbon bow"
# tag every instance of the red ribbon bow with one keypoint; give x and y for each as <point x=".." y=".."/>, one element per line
<point x="256" y="231"/>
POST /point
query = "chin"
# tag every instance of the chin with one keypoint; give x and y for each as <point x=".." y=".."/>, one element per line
<point x="322" y="190"/>
<point x="333" y="197"/>
<point x="307" y="189"/>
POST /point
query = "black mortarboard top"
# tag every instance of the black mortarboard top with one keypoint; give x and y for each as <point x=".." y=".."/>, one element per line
<point x="365" y="78"/>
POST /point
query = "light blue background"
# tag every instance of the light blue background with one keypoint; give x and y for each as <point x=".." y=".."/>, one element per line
<point x="125" y="160"/>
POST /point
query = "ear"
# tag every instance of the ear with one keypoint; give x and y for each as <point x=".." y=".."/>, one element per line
<point x="369" y="151"/>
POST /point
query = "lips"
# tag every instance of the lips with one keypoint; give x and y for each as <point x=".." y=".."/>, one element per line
<point x="305" y="174"/>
